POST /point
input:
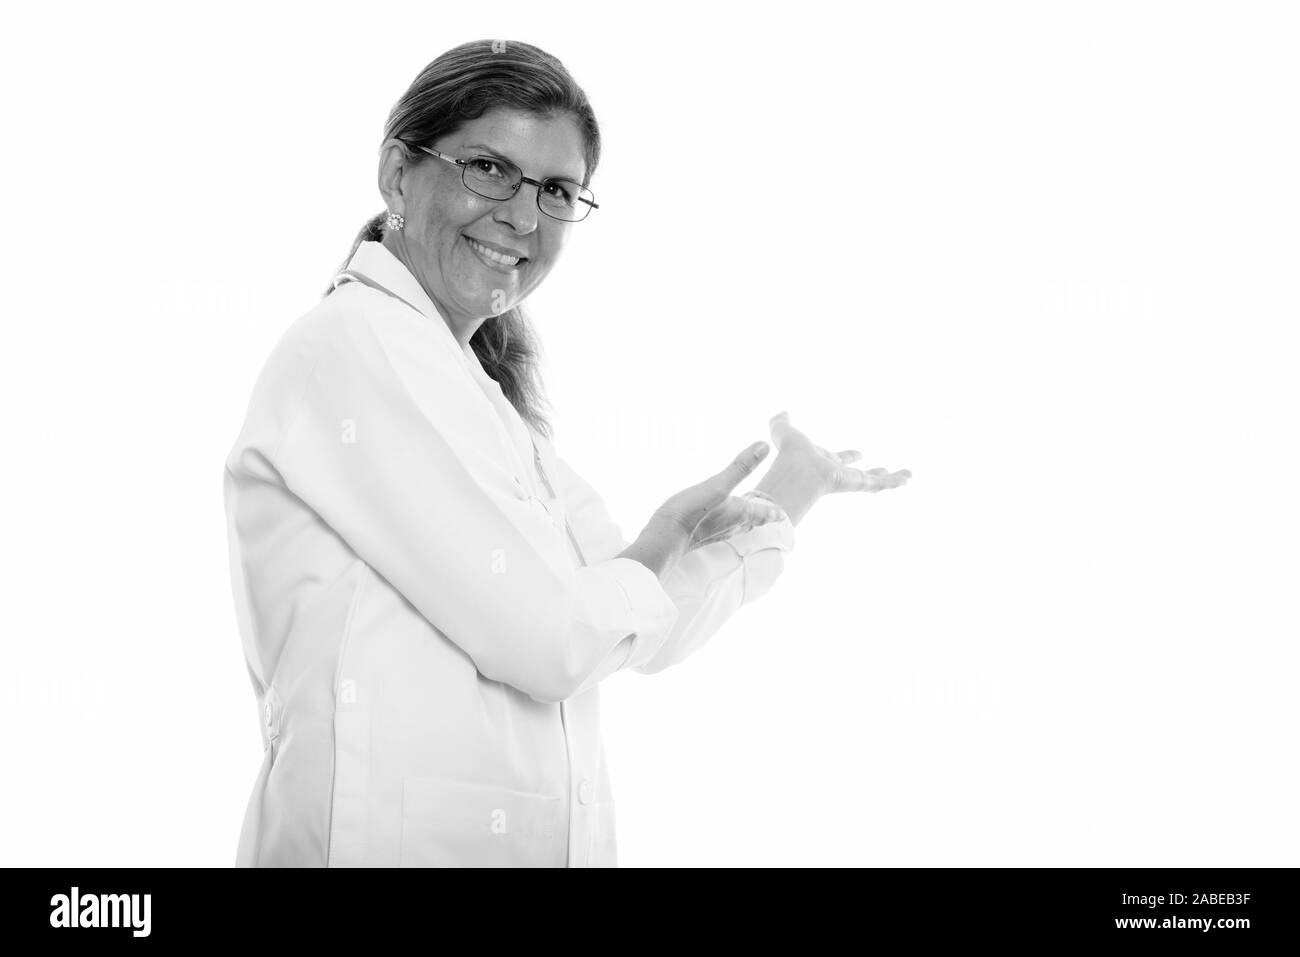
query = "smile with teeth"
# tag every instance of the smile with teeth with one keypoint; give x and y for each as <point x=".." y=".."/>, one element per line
<point x="493" y="255"/>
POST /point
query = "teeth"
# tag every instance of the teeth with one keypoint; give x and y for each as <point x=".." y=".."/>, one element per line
<point x="493" y="255"/>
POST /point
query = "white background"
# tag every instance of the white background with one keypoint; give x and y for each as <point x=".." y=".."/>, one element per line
<point x="1043" y="255"/>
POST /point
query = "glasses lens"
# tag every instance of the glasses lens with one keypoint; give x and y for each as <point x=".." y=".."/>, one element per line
<point x="565" y="200"/>
<point x="491" y="177"/>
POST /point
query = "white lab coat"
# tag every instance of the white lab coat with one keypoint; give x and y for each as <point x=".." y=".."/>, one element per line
<point x="423" y="641"/>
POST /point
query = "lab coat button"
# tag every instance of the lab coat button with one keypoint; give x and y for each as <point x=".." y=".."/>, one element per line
<point x="586" y="792"/>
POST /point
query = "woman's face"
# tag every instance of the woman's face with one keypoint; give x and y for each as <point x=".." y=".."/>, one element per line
<point x="444" y="219"/>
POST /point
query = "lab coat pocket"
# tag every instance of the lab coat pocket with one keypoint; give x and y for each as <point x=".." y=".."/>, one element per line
<point x="450" y="823"/>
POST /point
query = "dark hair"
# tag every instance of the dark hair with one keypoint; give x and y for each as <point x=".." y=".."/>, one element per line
<point x="456" y="88"/>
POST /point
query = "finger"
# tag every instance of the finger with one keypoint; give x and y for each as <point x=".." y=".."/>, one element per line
<point x="849" y="455"/>
<point x="884" y="479"/>
<point x="872" y="480"/>
<point x="888" y="479"/>
<point x="740" y="467"/>
<point x="730" y="518"/>
<point x="762" y="513"/>
<point x="848" y="479"/>
<point x="828" y="454"/>
<point x="757" y="519"/>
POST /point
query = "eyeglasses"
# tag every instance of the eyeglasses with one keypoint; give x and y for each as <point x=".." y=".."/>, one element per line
<point x="499" y="179"/>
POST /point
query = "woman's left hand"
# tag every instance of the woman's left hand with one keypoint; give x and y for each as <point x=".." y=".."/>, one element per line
<point x="804" y="471"/>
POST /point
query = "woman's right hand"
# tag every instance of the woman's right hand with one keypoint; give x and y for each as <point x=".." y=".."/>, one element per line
<point x="710" y="503"/>
<point x="680" y="522"/>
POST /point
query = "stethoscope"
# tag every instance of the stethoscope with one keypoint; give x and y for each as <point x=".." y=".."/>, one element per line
<point x="349" y="275"/>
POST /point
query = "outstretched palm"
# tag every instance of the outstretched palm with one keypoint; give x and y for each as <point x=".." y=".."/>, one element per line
<point x="832" y="468"/>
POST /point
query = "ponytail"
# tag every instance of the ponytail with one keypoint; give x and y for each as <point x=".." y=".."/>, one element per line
<point x="372" y="231"/>
<point x="508" y="351"/>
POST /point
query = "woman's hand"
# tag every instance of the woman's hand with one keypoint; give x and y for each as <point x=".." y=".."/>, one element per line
<point x="736" y="514"/>
<point x="708" y="509"/>
<point x="672" y="528"/>
<point x="804" y="471"/>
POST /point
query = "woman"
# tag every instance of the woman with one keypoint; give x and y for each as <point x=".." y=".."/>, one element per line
<point x="428" y="594"/>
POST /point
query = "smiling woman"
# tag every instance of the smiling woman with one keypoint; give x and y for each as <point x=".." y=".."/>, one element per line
<point x="502" y="100"/>
<point x="474" y="240"/>
<point x="428" y="595"/>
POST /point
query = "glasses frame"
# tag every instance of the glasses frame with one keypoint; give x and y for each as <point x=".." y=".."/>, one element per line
<point x="464" y="170"/>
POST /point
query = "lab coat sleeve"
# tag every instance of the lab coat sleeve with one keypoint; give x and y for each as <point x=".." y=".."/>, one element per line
<point x="708" y="584"/>
<point x="377" y="454"/>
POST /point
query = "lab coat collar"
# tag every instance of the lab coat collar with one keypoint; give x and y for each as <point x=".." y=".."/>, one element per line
<point x="375" y="260"/>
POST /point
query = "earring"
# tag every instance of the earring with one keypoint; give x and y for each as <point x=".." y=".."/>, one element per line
<point x="395" y="221"/>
